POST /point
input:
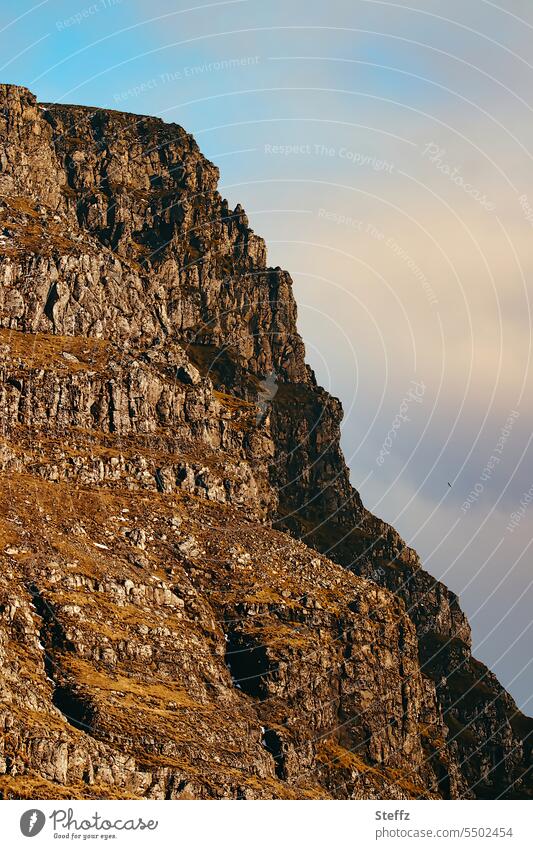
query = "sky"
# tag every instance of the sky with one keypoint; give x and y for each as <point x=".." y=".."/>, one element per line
<point x="384" y="150"/>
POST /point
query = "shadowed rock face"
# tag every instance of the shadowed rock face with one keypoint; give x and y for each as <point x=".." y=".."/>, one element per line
<point x="194" y="602"/>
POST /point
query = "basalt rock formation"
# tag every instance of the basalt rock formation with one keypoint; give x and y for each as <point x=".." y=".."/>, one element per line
<point x="194" y="603"/>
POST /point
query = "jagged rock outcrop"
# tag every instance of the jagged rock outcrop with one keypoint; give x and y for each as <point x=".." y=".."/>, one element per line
<point x="167" y="627"/>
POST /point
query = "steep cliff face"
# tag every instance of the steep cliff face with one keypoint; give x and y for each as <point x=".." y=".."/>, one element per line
<point x="194" y="601"/>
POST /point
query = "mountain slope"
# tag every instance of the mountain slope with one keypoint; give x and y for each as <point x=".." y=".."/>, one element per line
<point x="164" y="633"/>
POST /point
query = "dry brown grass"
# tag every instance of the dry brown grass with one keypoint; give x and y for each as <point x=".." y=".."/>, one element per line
<point x="34" y="787"/>
<point x="43" y="350"/>
<point x="335" y="756"/>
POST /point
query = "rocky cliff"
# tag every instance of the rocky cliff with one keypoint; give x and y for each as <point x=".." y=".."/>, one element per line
<point x="194" y="602"/>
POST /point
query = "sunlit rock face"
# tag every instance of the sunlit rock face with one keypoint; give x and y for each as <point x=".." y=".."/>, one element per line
<point x="194" y="603"/>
